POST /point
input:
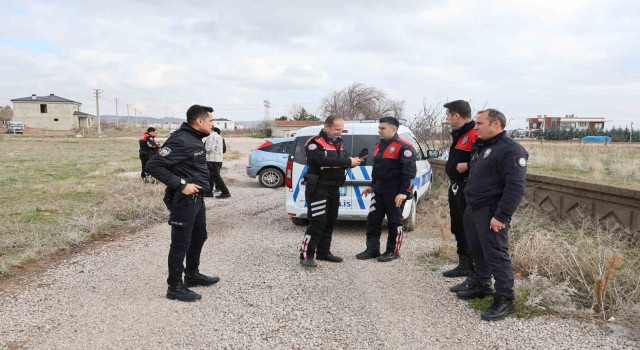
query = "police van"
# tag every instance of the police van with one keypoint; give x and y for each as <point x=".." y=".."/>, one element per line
<point x="356" y="136"/>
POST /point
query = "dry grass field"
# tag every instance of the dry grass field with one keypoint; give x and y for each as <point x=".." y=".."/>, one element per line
<point x="615" y="164"/>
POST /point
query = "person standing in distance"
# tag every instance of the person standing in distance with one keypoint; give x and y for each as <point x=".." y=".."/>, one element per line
<point x="181" y="164"/>
<point x="463" y="135"/>
<point x="394" y="168"/>
<point x="326" y="162"/>
<point x="497" y="180"/>
<point x="215" y="149"/>
<point x="148" y="147"/>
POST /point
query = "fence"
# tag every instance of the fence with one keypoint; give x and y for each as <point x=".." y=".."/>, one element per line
<point x="618" y="208"/>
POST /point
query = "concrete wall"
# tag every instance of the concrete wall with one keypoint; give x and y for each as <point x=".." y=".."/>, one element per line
<point x="616" y="207"/>
<point x="29" y="113"/>
<point x="224" y="124"/>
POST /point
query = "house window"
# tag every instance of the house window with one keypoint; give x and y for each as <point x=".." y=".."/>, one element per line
<point x="43" y="108"/>
<point x="582" y="124"/>
<point x="55" y="119"/>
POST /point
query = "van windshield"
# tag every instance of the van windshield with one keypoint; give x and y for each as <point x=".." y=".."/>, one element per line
<point x="353" y="145"/>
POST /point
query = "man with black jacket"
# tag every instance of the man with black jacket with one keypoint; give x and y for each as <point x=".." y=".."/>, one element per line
<point x="148" y="147"/>
<point x="326" y="164"/>
<point x="394" y="168"/>
<point x="181" y="165"/>
<point x="463" y="135"/>
<point x="497" y="180"/>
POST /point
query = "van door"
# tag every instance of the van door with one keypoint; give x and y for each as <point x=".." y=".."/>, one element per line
<point x="360" y="176"/>
<point x="422" y="180"/>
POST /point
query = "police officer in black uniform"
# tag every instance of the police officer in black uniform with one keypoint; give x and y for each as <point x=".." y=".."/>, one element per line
<point x="148" y="147"/>
<point x="394" y="168"/>
<point x="326" y="162"/>
<point x="181" y="165"/>
<point x="463" y="135"/>
<point x="497" y="180"/>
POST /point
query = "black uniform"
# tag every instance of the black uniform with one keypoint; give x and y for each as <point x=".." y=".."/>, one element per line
<point x="326" y="164"/>
<point x="148" y="147"/>
<point x="496" y="185"/>
<point x="394" y="168"/>
<point x="182" y="160"/>
<point x="459" y="152"/>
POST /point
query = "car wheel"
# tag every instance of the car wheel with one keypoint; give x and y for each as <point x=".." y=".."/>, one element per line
<point x="300" y="222"/>
<point x="271" y="178"/>
<point x="410" y="222"/>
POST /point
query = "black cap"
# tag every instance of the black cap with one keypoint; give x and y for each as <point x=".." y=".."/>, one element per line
<point x="390" y="120"/>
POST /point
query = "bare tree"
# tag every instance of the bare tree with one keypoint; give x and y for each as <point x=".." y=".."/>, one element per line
<point x="6" y="114"/>
<point x="358" y="101"/>
<point x="430" y="127"/>
<point x="297" y="112"/>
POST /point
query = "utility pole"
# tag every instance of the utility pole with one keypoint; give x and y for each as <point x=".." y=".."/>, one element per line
<point x="116" y="112"/>
<point x="128" y="118"/>
<point x="98" y="92"/>
<point x="267" y="105"/>
<point x="135" y="114"/>
<point x="631" y="134"/>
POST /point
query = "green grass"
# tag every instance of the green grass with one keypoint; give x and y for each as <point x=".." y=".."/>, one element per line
<point x="524" y="308"/>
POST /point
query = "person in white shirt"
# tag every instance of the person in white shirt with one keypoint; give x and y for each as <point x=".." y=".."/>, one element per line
<point x="215" y="147"/>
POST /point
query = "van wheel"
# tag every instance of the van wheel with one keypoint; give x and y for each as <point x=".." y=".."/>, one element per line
<point x="300" y="222"/>
<point x="410" y="222"/>
<point x="271" y="178"/>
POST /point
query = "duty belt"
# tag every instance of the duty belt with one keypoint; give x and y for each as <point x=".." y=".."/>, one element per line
<point x="330" y="183"/>
<point x="455" y="187"/>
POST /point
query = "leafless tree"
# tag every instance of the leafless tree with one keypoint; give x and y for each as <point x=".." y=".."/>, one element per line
<point x="430" y="127"/>
<point x="358" y="101"/>
<point x="6" y="114"/>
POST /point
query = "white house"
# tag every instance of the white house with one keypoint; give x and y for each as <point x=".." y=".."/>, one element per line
<point x="288" y="128"/>
<point x="50" y="112"/>
<point x="224" y="124"/>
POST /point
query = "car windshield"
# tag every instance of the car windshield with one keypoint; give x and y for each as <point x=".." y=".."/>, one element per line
<point x="353" y="145"/>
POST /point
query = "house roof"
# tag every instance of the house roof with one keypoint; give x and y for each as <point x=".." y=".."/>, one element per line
<point x="48" y="98"/>
<point x="222" y="119"/>
<point x="83" y="114"/>
<point x="296" y="123"/>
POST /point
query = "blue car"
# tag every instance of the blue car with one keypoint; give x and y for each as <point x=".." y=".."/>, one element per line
<point x="269" y="160"/>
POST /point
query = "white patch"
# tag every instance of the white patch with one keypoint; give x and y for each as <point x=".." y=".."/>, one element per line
<point x="487" y="153"/>
<point x="522" y="162"/>
<point x="165" y="151"/>
<point x="392" y="149"/>
<point x="312" y="147"/>
<point x="465" y="139"/>
<point x="408" y="153"/>
<point x="198" y="153"/>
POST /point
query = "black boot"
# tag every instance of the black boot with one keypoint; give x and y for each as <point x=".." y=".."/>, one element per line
<point x="478" y="290"/>
<point x="367" y="254"/>
<point x="329" y="257"/>
<point x="467" y="284"/>
<point x="464" y="268"/>
<point x="182" y="293"/>
<point x="388" y="256"/>
<point x="309" y="262"/>
<point x="501" y="307"/>
<point x="192" y="279"/>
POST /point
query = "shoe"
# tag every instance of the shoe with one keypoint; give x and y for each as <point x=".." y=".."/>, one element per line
<point x="217" y="190"/>
<point x="224" y="195"/>
<point x="329" y="257"/>
<point x="388" y="256"/>
<point x="182" y="293"/>
<point x="367" y="254"/>
<point x="198" y="279"/>
<point x="308" y="263"/>
<point x="464" y="268"/>
<point x="478" y="290"/>
<point x="467" y="284"/>
<point x="500" y="308"/>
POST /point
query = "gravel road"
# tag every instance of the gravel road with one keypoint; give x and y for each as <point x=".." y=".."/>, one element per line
<point x="112" y="297"/>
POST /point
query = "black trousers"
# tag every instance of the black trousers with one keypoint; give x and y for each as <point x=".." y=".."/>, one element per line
<point x="383" y="203"/>
<point x="144" y="158"/>
<point x="457" y="205"/>
<point x="215" y="178"/>
<point x="489" y="250"/>
<point x="322" y="212"/>
<point x="187" y="217"/>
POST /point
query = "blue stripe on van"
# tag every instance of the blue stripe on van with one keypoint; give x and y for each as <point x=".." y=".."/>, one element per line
<point x="356" y="189"/>
<point x="364" y="172"/>
<point x="297" y="190"/>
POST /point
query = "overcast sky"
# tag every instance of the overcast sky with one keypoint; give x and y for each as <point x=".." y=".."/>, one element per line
<point x="523" y="57"/>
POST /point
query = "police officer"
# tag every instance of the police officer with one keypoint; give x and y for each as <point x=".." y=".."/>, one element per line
<point x="463" y="135"/>
<point x="326" y="162"/>
<point x="497" y="180"/>
<point x="148" y="147"/>
<point x="394" y="168"/>
<point x="181" y="165"/>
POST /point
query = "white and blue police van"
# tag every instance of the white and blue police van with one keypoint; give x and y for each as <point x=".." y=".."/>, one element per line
<point x="356" y="136"/>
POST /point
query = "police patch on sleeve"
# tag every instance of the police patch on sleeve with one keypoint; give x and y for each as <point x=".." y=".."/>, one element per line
<point x="165" y="151"/>
<point x="312" y="147"/>
<point x="408" y="153"/>
<point x="522" y="162"/>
